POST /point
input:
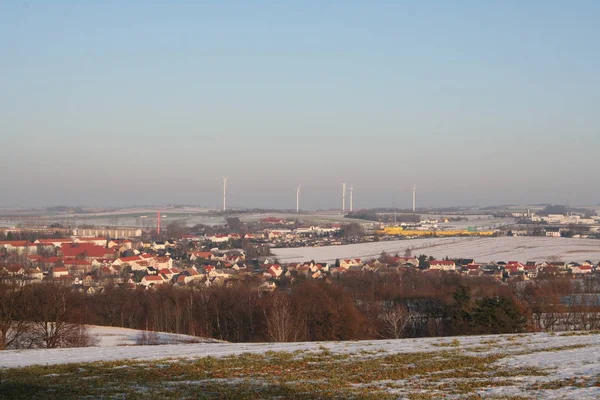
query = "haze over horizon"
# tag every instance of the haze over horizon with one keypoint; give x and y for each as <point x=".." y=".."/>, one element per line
<point x="114" y="104"/>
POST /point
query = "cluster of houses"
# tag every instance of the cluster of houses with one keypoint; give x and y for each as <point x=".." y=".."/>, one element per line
<point x="90" y="263"/>
<point x="277" y="236"/>
<point x="514" y="270"/>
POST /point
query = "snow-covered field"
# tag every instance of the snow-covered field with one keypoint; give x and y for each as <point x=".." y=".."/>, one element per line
<point x="542" y="365"/>
<point x="519" y="248"/>
<point x="109" y="336"/>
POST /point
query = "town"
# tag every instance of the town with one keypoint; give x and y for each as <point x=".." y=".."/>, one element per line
<point x="237" y="251"/>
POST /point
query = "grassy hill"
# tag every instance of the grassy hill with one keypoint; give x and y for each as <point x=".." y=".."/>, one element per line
<point x="498" y="367"/>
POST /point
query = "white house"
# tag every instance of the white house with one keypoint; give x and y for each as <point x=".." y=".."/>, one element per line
<point x="152" y="280"/>
<point x="353" y="262"/>
<point x="443" y="265"/>
<point x="58" y="272"/>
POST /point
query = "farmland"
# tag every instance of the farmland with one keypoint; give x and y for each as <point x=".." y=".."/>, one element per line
<point x="519" y="248"/>
<point x="523" y="366"/>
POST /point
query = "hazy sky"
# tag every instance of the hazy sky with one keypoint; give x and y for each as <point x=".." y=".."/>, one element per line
<point x="144" y="102"/>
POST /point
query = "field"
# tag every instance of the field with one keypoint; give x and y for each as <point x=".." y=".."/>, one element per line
<point x="109" y="336"/>
<point x="520" y="248"/>
<point x="527" y="366"/>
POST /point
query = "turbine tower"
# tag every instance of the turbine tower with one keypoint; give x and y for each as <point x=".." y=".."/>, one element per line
<point x="343" y="197"/>
<point x="414" y="190"/>
<point x="351" y="199"/>
<point x="224" y="193"/>
<point x="158" y="222"/>
<point x="298" y="199"/>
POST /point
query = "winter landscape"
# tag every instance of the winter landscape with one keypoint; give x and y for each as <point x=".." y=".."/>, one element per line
<point x="523" y="366"/>
<point x="299" y="200"/>
<point x="480" y="249"/>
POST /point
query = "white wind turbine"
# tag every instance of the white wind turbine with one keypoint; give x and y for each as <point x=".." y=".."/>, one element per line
<point x="414" y="190"/>
<point x="343" y="197"/>
<point x="351" y="198"/>
<point x="224" y="193"/>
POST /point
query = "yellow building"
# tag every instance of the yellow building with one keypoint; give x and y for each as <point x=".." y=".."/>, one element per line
<point x="398" y="231"/>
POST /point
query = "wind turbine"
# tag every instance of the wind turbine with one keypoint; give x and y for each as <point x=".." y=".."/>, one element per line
<point x="224" y="193"/>
<point x="414" y="190"/>
<point x="298" y="199"/>
<point x="351" y="199"/>
<point x="343" y="197"/>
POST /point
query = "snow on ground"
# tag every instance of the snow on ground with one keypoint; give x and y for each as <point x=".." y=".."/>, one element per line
<point x="563" y="365"/>
<point x="114" y="336"/>
<point x="589" y="353"/>
<point x="519" y="248"/>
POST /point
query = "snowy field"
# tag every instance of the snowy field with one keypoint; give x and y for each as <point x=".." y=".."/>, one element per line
<point x="519" y="248"/>
<point x="109" y="336"/>
<point x="550" y="366"/>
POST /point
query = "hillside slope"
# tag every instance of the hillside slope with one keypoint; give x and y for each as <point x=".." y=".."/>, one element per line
<point x="504" y="366"/>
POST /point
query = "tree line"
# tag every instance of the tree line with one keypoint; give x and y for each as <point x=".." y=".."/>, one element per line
<point x="353" y="307"/>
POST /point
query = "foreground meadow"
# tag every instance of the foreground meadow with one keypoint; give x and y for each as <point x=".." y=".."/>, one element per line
<point x="505" y="366"/>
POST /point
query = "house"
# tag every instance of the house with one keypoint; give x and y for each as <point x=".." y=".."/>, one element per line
<point x="160" y="245"/>
<point x="151" y="280"/>
<point x="15" y="270"/>
<point x="161" y="262"/>
<point x="413" y="261"/>
<point x="442" y="265"/>
<point x="515" y="265"/>
<point x="472" y="270"/>
<point x="88" y="251"/>
<point x="218" y="238"/>
<point x="317" y="275"/>
<point x="35" y="274"/>
<point x="98" y="241"/>
<point x="347" y="263"/>
<point x="531" y="270"/>
<point x="52" y="243"/>
<point x="189" y="275"/>
<point x="239" y="267"/>
<point x="78" y="266"/>
<point x="99" y="262"/>
<point x="200" y="255"/>
<point x="275" y="270"/>
<point x="18" y="246"/>
<point x="167" y="273"/>
<point x="323" y="267"/>
<point x="306" y="230"/>
<point x="279" y="234"/>
<point x="303" y="270"/>
<point x="60" y="272"/>
<point x="121" y="244"/>
<point x="581" y="269"/>
<point x="137" y="263"/>
<point x="372" y="266"/>
<point x="254" y="236"/>
<point x="106" y="271"/>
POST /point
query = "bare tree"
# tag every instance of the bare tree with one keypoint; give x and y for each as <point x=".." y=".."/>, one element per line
<point x="51" y="310"/>
<point x="12" y="324"/>
<point x="279" y="319"/>
<point x="394" y="320"/>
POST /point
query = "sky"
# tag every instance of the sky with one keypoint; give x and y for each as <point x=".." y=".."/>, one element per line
<point x="115" y="103"/>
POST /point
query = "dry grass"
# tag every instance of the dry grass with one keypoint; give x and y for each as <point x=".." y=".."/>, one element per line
<point x="283" y="375"/>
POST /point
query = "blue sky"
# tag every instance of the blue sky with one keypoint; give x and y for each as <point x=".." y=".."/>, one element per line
<point x="117" y="103"/>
